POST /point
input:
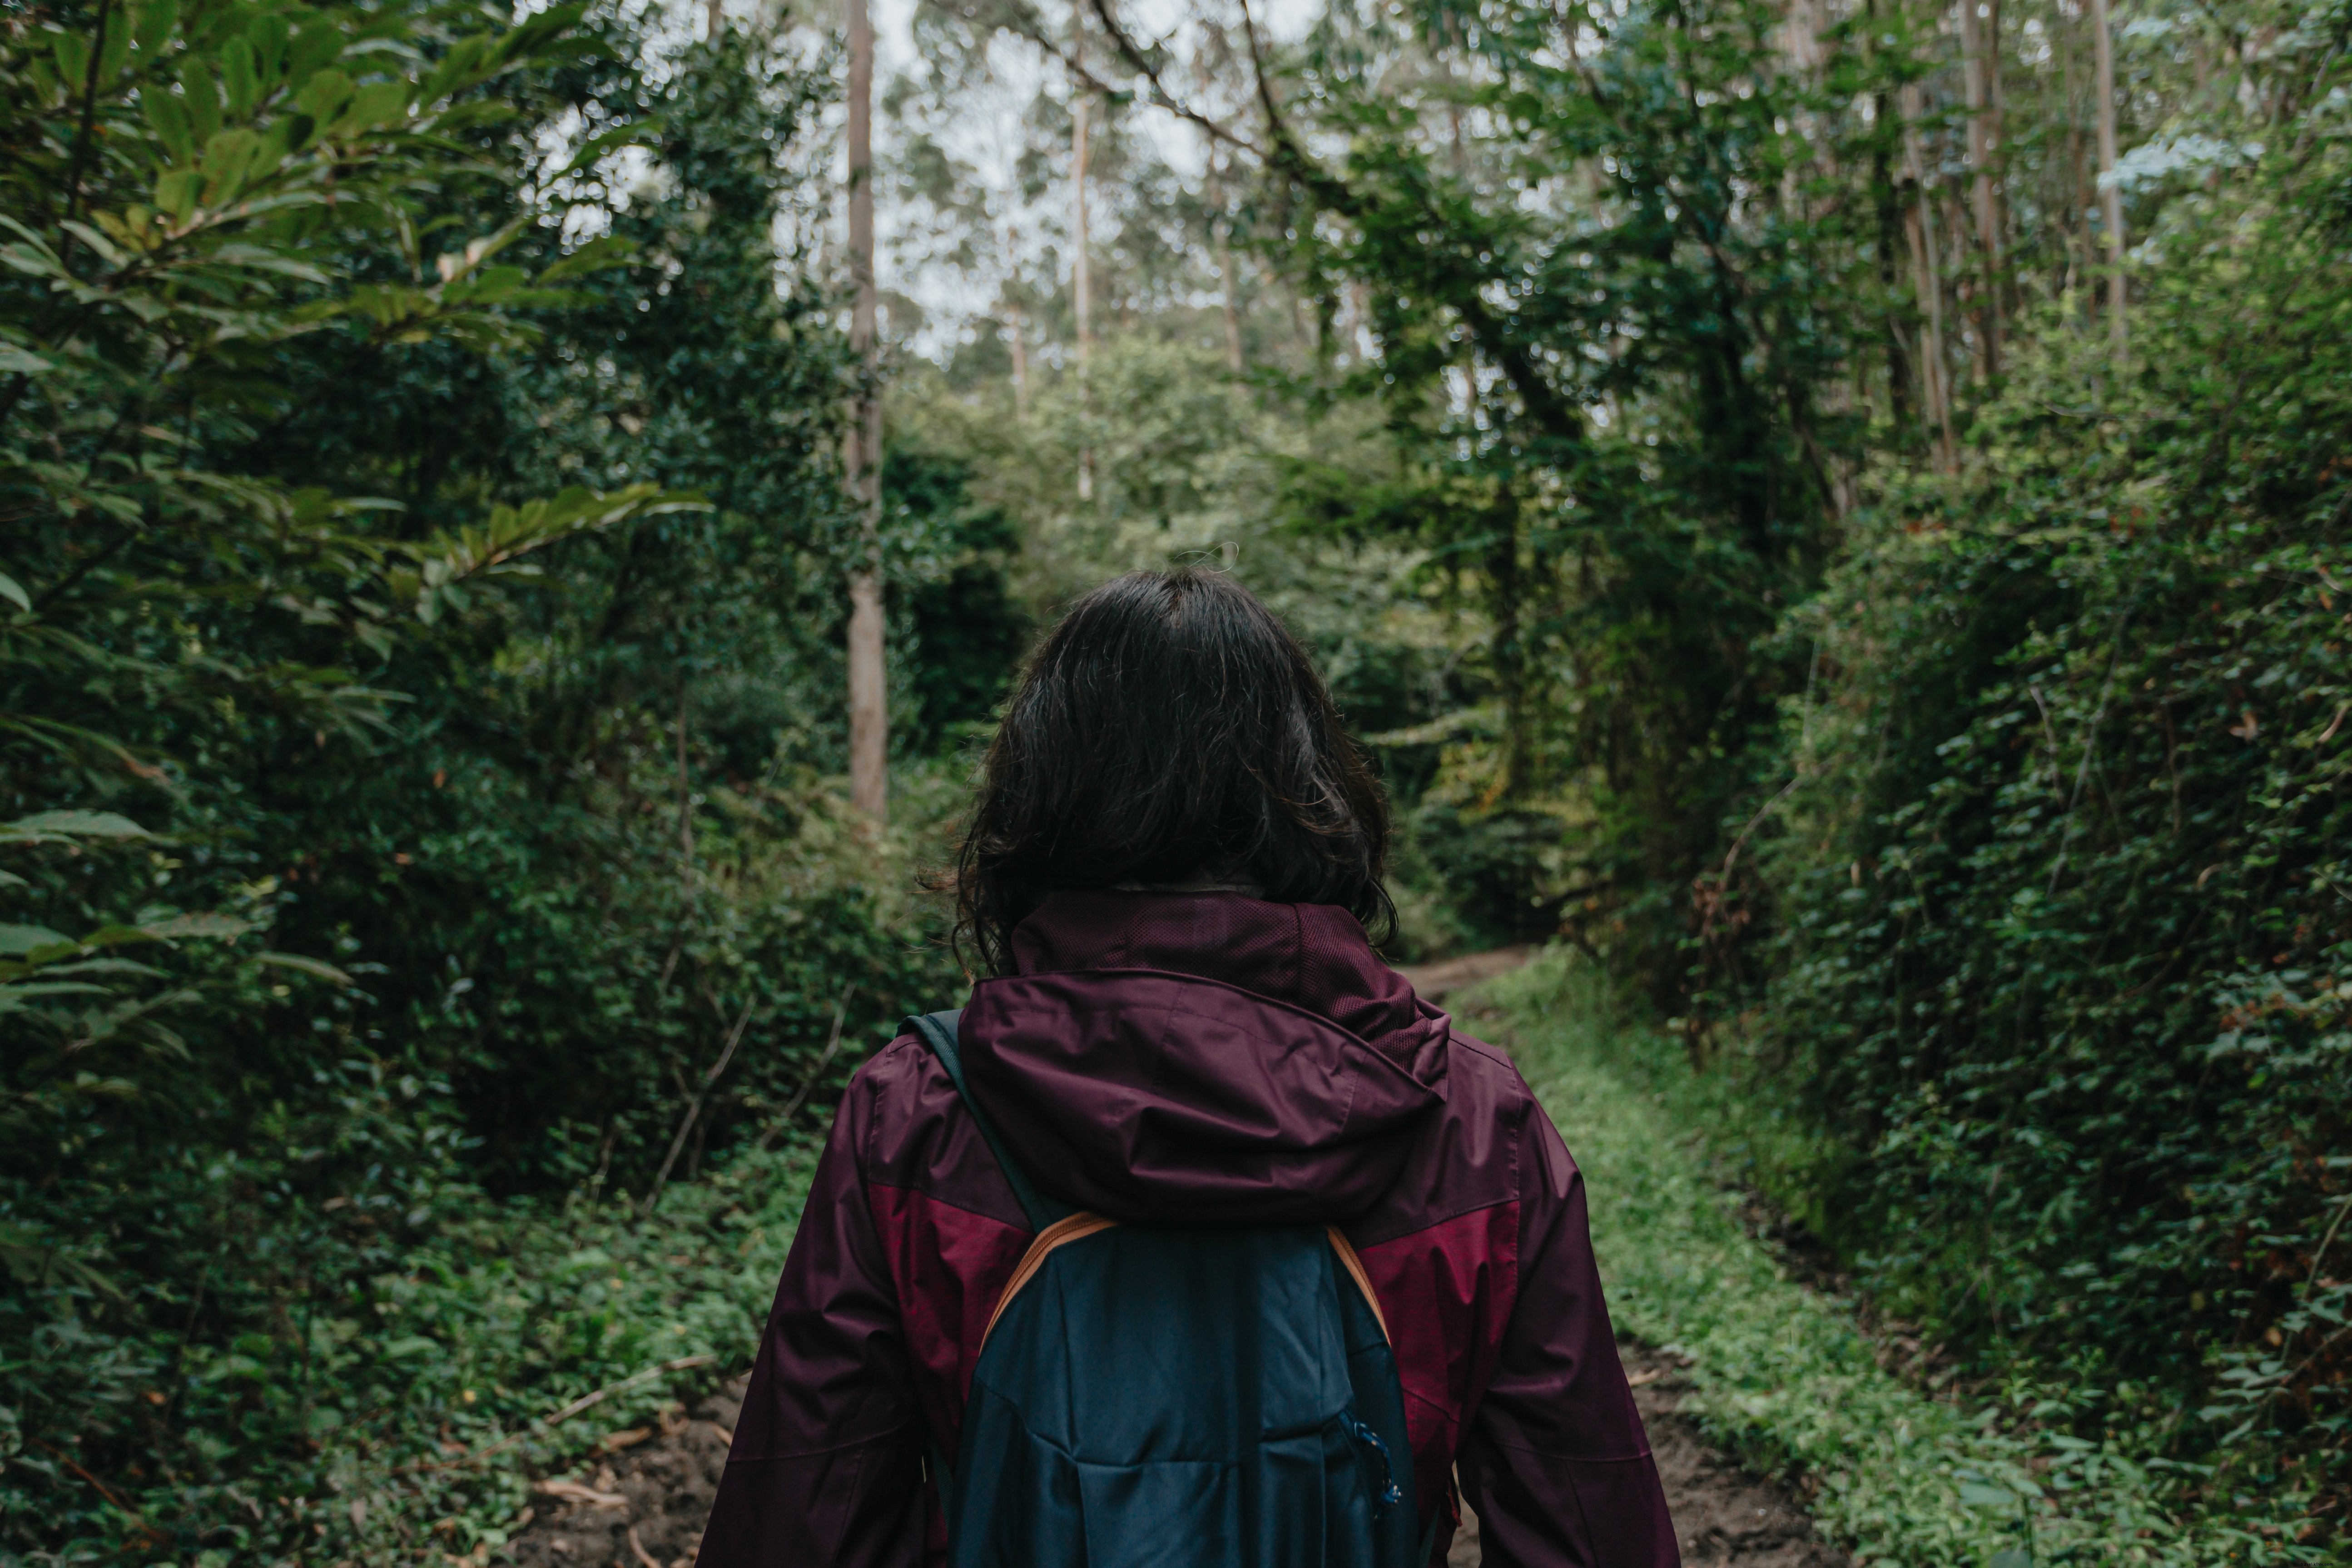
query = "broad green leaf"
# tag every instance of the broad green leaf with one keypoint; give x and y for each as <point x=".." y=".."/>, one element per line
<point x="168" y="116"/>
<point x="239" y="78"/>
<point x="72" y="51"/>
<point x="14" y="360"/>
<point x="455" y="67"/>
<point x="156" y="22"/>
<point x="201" y="93"/>
<point x="117" y="936"/>
<point x="175" y="193"/>
<point x="76" y="824"/>
<point x="377" y="103"/>
<point x="605" y="251"/>
<point x="20" y="940"/>
<point x="26" y="990"/>
<point x="105" y="247"/>
<point x="224" y="164"/>
<point x="10" y="589"/>
<point x="114" y="47"/>
<point x="207" y="926"/>
<point x="315" y="45"/>
<point x="324" y="95"/>
<point x="302" y="966"/>
<point x="270" y="36"/>
<point x="105" y="966"/>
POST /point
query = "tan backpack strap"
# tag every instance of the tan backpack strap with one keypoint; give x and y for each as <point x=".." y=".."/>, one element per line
<point x="1079" y="1227"/>
<point x="1355" y="1267"/>
<point x="1061" y="1232"/>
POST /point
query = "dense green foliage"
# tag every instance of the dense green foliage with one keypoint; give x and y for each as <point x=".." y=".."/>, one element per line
<point x="1687" y="432"/>
<point x="421" y="535"/>
<point x="2057" y="884"/>
<point x="2004" y="1473"/>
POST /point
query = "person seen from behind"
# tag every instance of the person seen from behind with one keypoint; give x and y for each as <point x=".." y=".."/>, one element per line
<point x="1197" y="1238"/>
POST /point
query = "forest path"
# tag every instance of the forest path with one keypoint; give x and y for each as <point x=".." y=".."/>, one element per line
<point x="641" y="1502"/>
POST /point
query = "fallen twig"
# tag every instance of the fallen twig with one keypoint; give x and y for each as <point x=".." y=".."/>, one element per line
<point x="560" y="1415"/>
<point x="800" y="1096"/>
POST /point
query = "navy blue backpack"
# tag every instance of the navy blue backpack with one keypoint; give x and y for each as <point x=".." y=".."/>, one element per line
<point x="1163" y="1396"/>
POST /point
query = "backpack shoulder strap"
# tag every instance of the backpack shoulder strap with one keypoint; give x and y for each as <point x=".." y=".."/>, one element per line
<point x="940" y="1031"/>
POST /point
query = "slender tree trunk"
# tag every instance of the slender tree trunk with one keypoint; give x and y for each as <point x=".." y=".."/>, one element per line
<point x="2111" y="197"/>
<point x="718" y="18"/>
<point x="1997" y="108"/>
<point x="1976" y="64"/>
<point x="1921" y="226"/>
<point x="1230" y="303"/>
<point x="869" y="734"/>
<point x="1510" y="652"/>
<point x="2074" y="226"/>
<point x="1890" y="205"/>
<point x="1081" y="286"/>
<point x="1016" y="328"/>
<point x="1222" y="233"/>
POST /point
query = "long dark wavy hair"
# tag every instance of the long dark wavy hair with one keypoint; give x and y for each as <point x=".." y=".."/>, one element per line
<point x="1170" y="732"/>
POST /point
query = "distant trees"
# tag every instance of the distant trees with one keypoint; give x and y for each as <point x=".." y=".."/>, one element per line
<point x="1891" y="602"/>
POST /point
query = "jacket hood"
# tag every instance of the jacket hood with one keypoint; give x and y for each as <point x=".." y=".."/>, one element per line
<point x="1202" y="1058"/>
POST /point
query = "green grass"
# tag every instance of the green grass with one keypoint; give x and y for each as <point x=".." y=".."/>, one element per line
<point x="1785" y="1376"/>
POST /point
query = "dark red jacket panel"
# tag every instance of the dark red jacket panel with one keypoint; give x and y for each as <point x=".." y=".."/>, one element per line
<point x="1155" y="1091"/>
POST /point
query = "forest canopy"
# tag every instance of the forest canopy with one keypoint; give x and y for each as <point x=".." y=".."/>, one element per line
<point x="1832" y="510"/>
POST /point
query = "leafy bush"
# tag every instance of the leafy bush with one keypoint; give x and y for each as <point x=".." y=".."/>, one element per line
<point x="420" y="562"/>
<point x="2008" y="1473"/>
<point x="2056" y="886"/>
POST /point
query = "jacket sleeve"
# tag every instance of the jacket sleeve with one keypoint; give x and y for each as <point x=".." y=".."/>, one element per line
<point x="1555" y="1461"/>
<point x="826" y="1465"/>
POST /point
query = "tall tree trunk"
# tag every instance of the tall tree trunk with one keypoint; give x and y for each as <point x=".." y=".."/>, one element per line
<point x="1920" y="224"/>
<point x="718" y="18"/>
<point x="2074" y="225"/>
<point x="1222" y="233"/>
<point x="870" y="716"/>
<point x="1017" y="328"/>
<point x="1081" y="286"/>
<point x="1510" y="652"/>
<point x="1979" y="61"/>
<point x="2111" y="197"/>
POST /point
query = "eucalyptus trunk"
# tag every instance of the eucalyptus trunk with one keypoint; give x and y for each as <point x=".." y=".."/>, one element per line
<point x="869" y="719"/>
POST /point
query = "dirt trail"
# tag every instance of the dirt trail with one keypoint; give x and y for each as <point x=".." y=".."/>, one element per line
<point x="642" y="1503"/>
<point x="1723" y="1514"/>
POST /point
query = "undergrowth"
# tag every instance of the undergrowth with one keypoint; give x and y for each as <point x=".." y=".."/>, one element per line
<point x="2032" y="1467"/>
<point x="461" y="1350"/>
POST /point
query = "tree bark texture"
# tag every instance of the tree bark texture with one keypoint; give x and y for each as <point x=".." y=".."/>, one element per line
<point x="869" y="712"/>
<point x="1222" y="232"/>
<point x="1081" y="285"/>
<point x="1979" y="61"/>
<point x="2110" y="196"/>
<point x="1920" y="225"/>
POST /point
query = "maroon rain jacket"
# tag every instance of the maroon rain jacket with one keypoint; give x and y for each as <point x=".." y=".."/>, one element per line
<point x="1195" y="1057"/>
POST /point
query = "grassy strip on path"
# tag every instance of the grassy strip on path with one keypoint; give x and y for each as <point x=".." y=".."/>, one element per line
<point x="1785" y="1376"/>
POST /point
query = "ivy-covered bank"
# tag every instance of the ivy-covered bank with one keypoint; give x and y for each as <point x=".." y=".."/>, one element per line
<point x="1993" y="1475"/>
